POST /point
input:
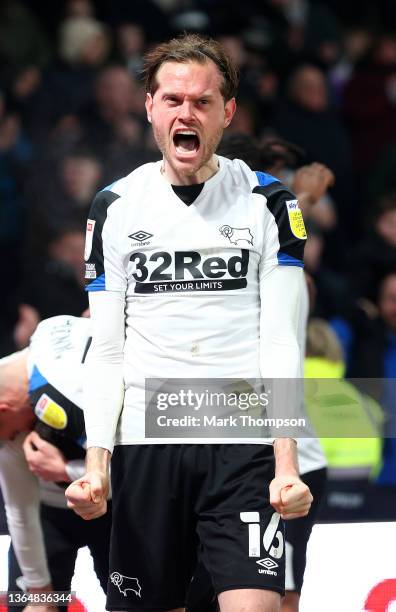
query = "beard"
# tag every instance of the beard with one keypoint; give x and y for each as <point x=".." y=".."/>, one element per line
<point x="187" y="168"/>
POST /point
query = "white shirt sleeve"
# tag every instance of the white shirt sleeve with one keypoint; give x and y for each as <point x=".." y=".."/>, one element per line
<point x="104" y="380"/>
<point x="280" y="355"/>
<point x="281" y="284"/>
<point x="280" y="294"/>
<point x="22" y="504"/>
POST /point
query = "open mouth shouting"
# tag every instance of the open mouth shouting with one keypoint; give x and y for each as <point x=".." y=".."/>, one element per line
<point x="186" y="142"/>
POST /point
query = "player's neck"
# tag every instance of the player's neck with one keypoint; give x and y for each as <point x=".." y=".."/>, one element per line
<point x="202" y="175"/>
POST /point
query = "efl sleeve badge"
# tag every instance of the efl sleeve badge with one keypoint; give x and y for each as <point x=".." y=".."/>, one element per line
<point x="296" y="220"/>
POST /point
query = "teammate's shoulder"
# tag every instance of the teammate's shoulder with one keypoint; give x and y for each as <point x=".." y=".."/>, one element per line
<point x="53" y="328"/>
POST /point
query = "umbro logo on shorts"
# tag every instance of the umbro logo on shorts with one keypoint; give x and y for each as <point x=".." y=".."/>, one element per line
<point x="126" y="583"/>
<point x="267" y="563"/>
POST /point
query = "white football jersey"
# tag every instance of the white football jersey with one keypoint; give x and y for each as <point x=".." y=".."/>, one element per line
<point x="55" y="370"/>
<point x="55" y="375"/>
<point x="190" y="274"/>
<point x="56" y="355"/>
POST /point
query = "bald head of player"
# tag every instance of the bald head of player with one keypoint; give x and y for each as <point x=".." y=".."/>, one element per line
<point x="190" y="100"/>
<point x="16" y="412"/>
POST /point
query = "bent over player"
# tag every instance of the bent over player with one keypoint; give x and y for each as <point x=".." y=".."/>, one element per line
<point x="41" y="389"/>
<point x="194" y="268"/>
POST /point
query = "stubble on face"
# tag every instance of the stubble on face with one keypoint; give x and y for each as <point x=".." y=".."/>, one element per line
<point x="208" y="149"/>
<point x="186" y="84"/>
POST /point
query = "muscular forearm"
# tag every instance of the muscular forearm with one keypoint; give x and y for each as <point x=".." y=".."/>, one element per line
<point x="98" y="460"/>
<point x="286" y="462"/>
<point x="88" y="495"/>
<point x="288" y="494"/>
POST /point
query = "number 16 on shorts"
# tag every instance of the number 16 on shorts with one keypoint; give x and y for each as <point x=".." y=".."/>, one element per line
<point x="272" y="540"/>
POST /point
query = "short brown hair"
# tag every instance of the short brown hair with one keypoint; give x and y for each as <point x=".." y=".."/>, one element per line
<point x="191" y="48"/>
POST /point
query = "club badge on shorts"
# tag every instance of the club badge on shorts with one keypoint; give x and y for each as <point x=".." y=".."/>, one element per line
<point x="50" y="413"/>
<point x="296" y="219"/>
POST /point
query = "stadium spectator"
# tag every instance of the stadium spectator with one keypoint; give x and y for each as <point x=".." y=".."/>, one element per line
<point x="348" y="422"/>
<point x="149" y="14"/>
<point x="15" y="157"/>
<point x="56" y="286"/>
<point x="312" y="29"/>
<point x="374" y="255"/>
<point x="15" y="334"/>
<point x="306" y="118"/>
<point x="333" y="294"/>
<point x="80" y="8"/>
<point x="22" y="39"/>
<point x="113" y="126"/>
<point x="372" y="125"/>
<point x="77" y="174"/>
<point x="67" y="85"/>
<point x="130" y="42"/>
<point x="369" y="341"/>
<point x="357" y="40"/>
<point x="23" y="96"/>
<point x="382" y="178"/>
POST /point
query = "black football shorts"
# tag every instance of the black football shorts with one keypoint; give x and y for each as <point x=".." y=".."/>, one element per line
<point x="171" y="500"/>
<point x="202" y="598"/>
<point x="299" y="530"/>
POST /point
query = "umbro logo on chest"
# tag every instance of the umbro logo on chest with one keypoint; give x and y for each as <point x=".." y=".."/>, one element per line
<point x="142" y="238"/>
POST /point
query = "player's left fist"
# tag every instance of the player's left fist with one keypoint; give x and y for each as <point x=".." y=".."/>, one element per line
<point x="87" y="496"/>
<point x="290" y="496"/>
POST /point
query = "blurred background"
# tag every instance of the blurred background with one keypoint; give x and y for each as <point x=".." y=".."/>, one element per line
<point x="318" y="77"/>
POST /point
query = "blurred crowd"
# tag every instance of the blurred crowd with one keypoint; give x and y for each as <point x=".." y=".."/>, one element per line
<point x="318" y="84"/>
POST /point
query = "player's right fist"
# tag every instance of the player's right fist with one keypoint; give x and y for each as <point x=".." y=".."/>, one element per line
<point x="87" y="496"/>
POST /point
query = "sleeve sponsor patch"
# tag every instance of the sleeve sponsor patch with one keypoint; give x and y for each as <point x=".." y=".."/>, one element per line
<point x="296" y="219"/>
<point x="50" y="413"/>
<point x="90" y="271"/>
<point x="88" y="238"/>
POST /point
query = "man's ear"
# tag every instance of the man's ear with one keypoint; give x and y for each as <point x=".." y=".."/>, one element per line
<point x="4" y="407"/>
<point x="149" y="106"/>
<point x="230" y="108"/>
